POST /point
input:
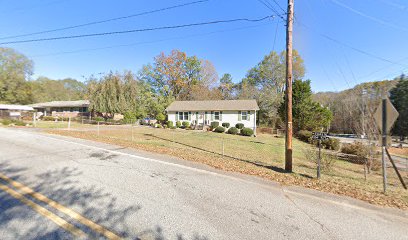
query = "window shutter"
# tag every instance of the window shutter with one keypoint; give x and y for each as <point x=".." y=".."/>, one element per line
<point x="177" y="116"/>
<point x="249" y="115"/>
<point x="212" y="116"/>
<point x="239" y="116"/>
<point x="221" y="116"/>
<point x="189" y="116"/>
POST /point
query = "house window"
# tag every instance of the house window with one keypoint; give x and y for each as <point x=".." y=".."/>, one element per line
<point x="217" y="116"/>
<point x="244" y="115"/>
<point x="183" y="116"/>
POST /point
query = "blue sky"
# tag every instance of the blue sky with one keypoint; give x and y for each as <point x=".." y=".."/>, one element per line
<point x="368" y="37"/>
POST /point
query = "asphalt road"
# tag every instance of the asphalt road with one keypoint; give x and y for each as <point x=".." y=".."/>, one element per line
<point x="103" y="191"/>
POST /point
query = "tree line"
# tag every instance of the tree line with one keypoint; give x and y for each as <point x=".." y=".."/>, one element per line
<point x="170" y="77"/>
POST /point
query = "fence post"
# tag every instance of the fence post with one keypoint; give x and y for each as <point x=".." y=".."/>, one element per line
<point x="318" y="160"/>
<point x="34" y="122"/>
<point x="223" y="146"/>
<point x="132" y="132"/>
<point x="98" y="128"/>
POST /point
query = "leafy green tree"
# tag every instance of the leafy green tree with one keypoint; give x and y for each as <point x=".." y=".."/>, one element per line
<point x="45" y="90"/>
<point x="399" y="98"/>
<point x="107" y="95"/>
<point x="307" y="114"/>
<point x="15" y="70"/>
<point x="266" y="83"/>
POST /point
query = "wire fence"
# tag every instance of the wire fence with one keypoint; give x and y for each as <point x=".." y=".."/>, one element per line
<point x="265" y="150"/>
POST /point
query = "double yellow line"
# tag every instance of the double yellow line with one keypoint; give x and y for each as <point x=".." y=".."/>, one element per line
<point x="53" y="217"/>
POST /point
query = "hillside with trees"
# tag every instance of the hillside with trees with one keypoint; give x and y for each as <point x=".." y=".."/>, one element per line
<point x="353" y="108"/>
<point x="17" y="87"/>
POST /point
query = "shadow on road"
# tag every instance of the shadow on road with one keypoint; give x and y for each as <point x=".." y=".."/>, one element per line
<point x="93" y="202"/>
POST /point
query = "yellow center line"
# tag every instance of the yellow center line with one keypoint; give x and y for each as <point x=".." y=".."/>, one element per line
<point x="78" y="217"/>
<point x="56" y="219"/>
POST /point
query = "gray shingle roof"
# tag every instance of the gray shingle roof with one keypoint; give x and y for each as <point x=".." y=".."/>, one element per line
<point x="222" y="105"/>
<point x="79" y="103"/>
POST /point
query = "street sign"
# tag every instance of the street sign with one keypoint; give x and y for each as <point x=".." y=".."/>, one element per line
<point x="319" y="135"/>
<point x="391" y="116"/>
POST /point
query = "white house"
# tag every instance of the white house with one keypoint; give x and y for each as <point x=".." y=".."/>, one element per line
<point x="202" y="113"/>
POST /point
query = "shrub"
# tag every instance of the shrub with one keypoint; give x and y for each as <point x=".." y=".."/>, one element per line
<point x="99" y="119"/>
<point x="178" y="124"/>
<point x="226" y="124"/>
<point x="233" y="130"/>
<point x="356" y="148"/>
<point x="19" y="123"/>
<point x="159" y="126"/>
<point x="327" y="160"/>
<point x="331" y="143"/>
<point x="48" y="118"/>
<point x="6" y="122"/>
<point x="173" y="127"/>
<point x="239" y="125"/>
<point x="247" y="132"/>
<point x="219" y="129"/>
<point x="129" y="117"/>
<point x="170" y="124"/>
<point x="214" y="125"/>
<point x="305" y="136"/>
<point x="160" y="117"/>
<point x="186" y="124"/>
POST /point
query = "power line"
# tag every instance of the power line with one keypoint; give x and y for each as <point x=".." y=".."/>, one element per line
<point x="106" y="20"/>
<point x="270" y="7"/>
<point x="351" y="47"/>
<point x="145" y="42"/>
<point x="276" y="2"/>
<point x="375" y="19"/>
<point x="137" y="30"/>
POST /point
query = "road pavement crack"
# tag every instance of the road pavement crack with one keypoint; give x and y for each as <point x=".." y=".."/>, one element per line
<point x="324" y="228"/>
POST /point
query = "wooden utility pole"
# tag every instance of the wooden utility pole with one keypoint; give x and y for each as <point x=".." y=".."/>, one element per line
<point x="289" y="62"/>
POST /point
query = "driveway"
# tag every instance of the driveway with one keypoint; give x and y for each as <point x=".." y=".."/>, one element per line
<point x="54" y="187"/>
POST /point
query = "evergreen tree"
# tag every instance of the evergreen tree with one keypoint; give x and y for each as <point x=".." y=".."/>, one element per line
<point x="399" y="98"/>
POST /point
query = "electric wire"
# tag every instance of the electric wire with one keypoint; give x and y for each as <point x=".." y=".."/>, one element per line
<point x="137" y="30"/>
<point x="105" y="21"/>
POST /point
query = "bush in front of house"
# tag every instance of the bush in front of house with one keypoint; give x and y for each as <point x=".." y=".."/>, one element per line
<point x="174" y="127"/>
<point x="214" y="125"/>
<point x="226" y="124"/>
<point x="48" y="118"/>
<point x="178" y="124"/>
<point x="19" y="123"/>
<point x="170" y="124"/>
<point x="305" y="136"/>
<point x="219" y="129"/>
<point x="6" y="122"/>
<point x="239" y="126"/>
<point x="233" y="130"/>
<point x="247" y="132"/>
<point x="186" y="124"/>
<point x="159" y="125"/>
<point x="99" y="119"/>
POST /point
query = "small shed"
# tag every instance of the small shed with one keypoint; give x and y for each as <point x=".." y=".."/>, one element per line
<point x="8" y="111"/>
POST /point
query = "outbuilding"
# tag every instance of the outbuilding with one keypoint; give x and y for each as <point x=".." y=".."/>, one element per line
<point x="8" y="111"/>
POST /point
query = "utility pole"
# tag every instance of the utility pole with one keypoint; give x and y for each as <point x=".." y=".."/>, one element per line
<point x="289" y="62"/>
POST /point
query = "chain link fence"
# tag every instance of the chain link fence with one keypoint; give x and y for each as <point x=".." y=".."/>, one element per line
<point x="266" y="150"/>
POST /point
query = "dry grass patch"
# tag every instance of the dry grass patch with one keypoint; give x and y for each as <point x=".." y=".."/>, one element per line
<point x="262" y="156"/>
